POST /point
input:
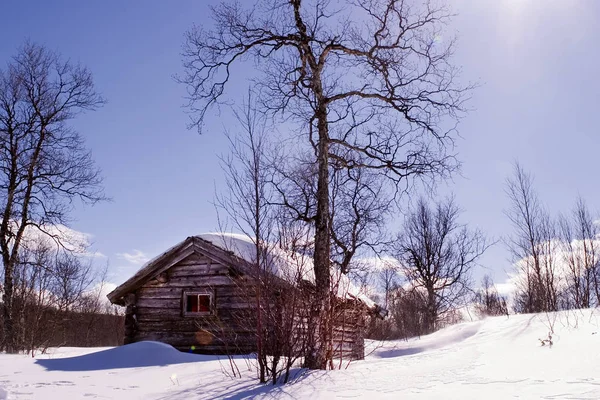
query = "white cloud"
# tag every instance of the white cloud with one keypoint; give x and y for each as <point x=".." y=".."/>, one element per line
<point x="506" y="289"/>
<point x="55" y="236"/>
<point x="367" y="272"/>
<point x="59" y="237"/>
<point x="376" y="263"/>
<point x="94" y="254"/>
<point x="100" y="291"/>
<point x="136" y="257"/>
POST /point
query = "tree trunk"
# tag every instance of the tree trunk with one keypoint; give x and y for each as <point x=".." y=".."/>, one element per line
<point x="431" y="310"/>
<point x="7" y="300"/>
<point x="317" y="356"/>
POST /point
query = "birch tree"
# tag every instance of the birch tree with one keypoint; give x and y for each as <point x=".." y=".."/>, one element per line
<point x="437" y="254"/>
<point x="369" y="84"/>
<point x="44" y="166"/>
<point x="533" y="245"/>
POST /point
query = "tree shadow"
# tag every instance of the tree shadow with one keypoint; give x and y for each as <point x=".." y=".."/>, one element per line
<point x="239" y="390"/>
<point x="135" y="355"/>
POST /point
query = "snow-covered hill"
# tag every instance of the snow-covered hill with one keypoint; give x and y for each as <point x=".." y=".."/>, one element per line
<point x="497" y="358"/>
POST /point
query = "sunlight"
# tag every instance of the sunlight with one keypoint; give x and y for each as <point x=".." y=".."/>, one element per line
<point x="516" y="5"/>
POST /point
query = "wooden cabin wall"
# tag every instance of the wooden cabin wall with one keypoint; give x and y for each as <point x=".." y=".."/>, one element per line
<point x="349" y="324"/>
<point x="155" y="312"/>
<point x="159" y="314"/>
<point x="348" y="330"/>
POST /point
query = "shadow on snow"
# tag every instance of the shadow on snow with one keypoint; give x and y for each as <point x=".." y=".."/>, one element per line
<point x="238" y="389"/>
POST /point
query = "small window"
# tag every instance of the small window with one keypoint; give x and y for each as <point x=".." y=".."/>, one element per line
<point x="197" y="303"/>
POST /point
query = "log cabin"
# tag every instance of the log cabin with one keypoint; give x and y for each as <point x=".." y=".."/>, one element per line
<point x="200" y="296"/>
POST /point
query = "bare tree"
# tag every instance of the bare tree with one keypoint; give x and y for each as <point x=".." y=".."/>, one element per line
<point x="372" y="94"/>
<point x="389" y="278"/>
<point x="487" y="299"/>
<point x="533" y="245"/>
<point x="32" y="296"/>
<point x="580" y="249"/>
<point x="550" y="261"/>
<point x="359" y="205"/>
<point x="386" y="279"/>
<point x="54" y="302"/>
<point x="247" y="203"/>
<point x="44" y="165"/>
<point x="72" y="278"/>
<point x="410" y="313"/>
<point x="437" y="254"/>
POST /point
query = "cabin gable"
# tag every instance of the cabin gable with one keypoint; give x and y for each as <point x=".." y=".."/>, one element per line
<point x="161" y="308"/>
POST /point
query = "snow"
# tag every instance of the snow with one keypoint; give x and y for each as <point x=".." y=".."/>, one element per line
<point x="495" y="358"/>
<point x="286" y="265"/>
<point x="142" y="354"/>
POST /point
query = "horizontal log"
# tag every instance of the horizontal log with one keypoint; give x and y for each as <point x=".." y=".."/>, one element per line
<point x="345" y="333"/>
<point x="192" y="325"/>
<point x="197" y="338"/>
<point x="197" y="273"/>
<point x="151" y="302"/>
<point x="198" y="276"/>
<point x="345" y="352"/>
<point x="159" y="314"/>
<point x="337" y="341"/>
<point x="221" y="300"/>
<point x="164" y="292"/>
<point x="197" y="334"/>
<point x="179" y="326"/>
<point x="198" y="267"/>
<point x="175" y="292"/>
<point x="196" y="258"/>
<point x="221" y="307"/>
<point x="198" y="281"/>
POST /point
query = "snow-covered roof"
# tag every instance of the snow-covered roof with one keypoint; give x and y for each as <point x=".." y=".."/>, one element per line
<point x="287" y="265"/>
<point x="290" y="266"/>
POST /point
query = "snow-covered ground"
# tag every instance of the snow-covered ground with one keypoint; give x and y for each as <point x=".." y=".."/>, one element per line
<point x="497" y="358"/>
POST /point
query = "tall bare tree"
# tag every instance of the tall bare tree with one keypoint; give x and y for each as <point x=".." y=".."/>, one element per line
<point x="581" y="254"/>
<point x="370" y="84"/>
<point x="533" y="245"/>
<point x="437" y="254"/>
<point x="44" y="165"/>
<point x="247" y="203"/>
<point x="588" y="233"/>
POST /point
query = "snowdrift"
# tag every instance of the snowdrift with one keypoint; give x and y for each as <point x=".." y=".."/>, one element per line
<point x="135" y="355"/>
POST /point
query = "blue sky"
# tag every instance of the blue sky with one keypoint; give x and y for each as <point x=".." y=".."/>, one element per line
<point x="537" y="62"/>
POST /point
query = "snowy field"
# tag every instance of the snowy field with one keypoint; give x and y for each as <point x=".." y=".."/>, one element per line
<point x="497" y="358"/>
